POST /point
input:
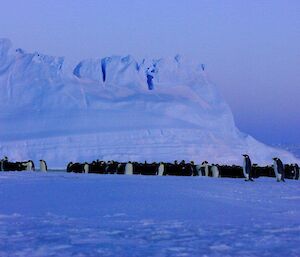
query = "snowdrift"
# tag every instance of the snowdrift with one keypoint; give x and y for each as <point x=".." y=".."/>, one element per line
<point x="116" y="108"/>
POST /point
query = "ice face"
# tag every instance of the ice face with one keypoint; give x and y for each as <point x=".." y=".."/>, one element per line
<point x="116" y="108"/>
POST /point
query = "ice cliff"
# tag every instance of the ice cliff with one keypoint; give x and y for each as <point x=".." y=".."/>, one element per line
<point x="116" y="108"/>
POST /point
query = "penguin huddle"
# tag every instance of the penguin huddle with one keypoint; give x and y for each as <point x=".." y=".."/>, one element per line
<point x="6" y="165"/>
<point x="248" y="171"/>
<point x="134" y="168"/>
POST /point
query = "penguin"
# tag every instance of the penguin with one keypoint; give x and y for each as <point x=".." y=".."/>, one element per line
<point x="69" y="167"/>
<point x="3" y="161"/>
<point x="194" y="169"/>
<point x="215" y="171"/>
<point x="204" y="168"/>
<point x="198" y="170"/>
<point x="278" y="169"/>
<point x="29" y="165"/>
<point x="161" y="169"/>
<point x="296" y="169"/>
<point x="247" y="168"/>
<point x="129" y="168"/>
<point x="43" y="166"/>
<point x="32" y="165"/>
<point x="182" y="168"/>
<point x="86" y="167"/>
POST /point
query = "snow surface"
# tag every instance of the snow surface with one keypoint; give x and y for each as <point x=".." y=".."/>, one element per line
<point x="116" y="108"/>
<point x="64" y="214"/>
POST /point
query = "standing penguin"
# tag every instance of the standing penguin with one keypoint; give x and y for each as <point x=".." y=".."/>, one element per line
<point x="215" y="171"/>
<point x="205" y="168"/>
<point x="3" y="162"/>
<point x="198" y="170"/>
<point x="247" y="168"/>
<point x="279" y="169"/>
<point x="128" y="168"/>
<point x="161" y="169"/>
<point x="296" y="169"/>
<point x="69" y="169"/>
<point x="86" y="167"/>
<point x="29" y="165"/>
<point x="1" y="165"/>
<point x="43" y="166"/>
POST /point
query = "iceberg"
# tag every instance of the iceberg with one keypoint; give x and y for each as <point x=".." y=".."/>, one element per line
<point x="118" y="108"/>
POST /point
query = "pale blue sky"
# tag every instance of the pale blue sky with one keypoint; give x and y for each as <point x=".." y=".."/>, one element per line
<point x="251" y="48"/>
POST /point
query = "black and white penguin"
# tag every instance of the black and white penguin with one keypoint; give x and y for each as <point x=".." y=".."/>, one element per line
<point x="69" y="167"/>
<point x="247" y="168"/>
<point x="29" y="165"/>
<point x="161" y="169"/>
<point x="2" y="164"/>
<point x="278" y="169"/>
<point x="215" y="171"/>
<point x="43" y="166"/>
<point x="198" y="169"/>
<point x="86" y="167"/>
<point x="205" y="168"/>
<point x="296" y="171"/>
<point x="128" y="168"/>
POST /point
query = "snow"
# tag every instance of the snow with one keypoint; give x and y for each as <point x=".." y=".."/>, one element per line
<point x="63" y="214"/>
<point x="104" y="109"/>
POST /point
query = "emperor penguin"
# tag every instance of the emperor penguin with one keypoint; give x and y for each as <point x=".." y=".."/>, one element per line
<point x="215" y="171"/>
<point x="161" y="169"/>
<point x="296" y="169"/>
<point x="29" y="165"/>
<point x="86" y="167"/>
<point x="43" y="166"/>
<point x="247" y="168"/>
<point x="198" y="170"/>
<point x="69" y="166"/>
<point x="128" y="168"/>
<point x="5" y="159"/>
<point x="278" y="169"/>
<point x="1" y="165"/>
<point x="206" y="168"/>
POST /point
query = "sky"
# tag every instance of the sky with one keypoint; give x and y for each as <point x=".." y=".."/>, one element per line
<point x="251" y="48"/>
